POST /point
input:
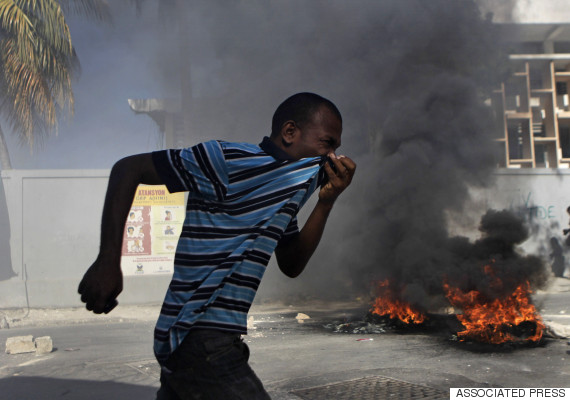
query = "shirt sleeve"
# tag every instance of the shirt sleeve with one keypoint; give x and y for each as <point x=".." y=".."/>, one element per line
<point x="200" y="169"/>
<point x="290" y="232"/>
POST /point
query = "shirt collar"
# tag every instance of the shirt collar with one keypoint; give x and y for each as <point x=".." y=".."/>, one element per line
<point x="274" y="151"/>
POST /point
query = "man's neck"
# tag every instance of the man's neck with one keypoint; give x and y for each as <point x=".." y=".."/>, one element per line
<point x="275" y="148"/>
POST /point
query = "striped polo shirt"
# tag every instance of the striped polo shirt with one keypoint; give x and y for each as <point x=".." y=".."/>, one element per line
<point x="243" y="199"/>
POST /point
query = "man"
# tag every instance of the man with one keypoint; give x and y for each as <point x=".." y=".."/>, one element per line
<point x="242" y="206"/>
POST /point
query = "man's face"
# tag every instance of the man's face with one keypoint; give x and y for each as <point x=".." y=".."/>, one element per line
<point x="319" y="137"/>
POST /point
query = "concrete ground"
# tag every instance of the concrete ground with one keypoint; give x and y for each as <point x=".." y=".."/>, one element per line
<point x="110" y="357"/>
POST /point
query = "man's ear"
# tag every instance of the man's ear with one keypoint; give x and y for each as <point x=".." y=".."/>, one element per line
<point x="289" y="133"/>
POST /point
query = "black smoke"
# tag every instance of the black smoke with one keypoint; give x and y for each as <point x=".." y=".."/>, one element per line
<point x="411" y="78"/>
<point x="501" y="233"/>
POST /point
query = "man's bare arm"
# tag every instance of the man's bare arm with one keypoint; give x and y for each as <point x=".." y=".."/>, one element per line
<point x="103" y="281"/>
<point x="293" y="256"/>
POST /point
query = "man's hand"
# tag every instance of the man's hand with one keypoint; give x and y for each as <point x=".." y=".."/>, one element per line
<point x="337" y="180"/>
<point x="100" y="286"/>
<point x="292" y="257"/>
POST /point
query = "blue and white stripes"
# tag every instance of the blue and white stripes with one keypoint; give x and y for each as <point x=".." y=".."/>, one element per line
<point x="242" y="201"/>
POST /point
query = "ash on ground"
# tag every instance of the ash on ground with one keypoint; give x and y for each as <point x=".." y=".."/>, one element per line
<point x="372" y="323"/>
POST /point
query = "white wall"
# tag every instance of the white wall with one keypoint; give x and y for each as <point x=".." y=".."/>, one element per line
<point x="55" y="218"/>
<point x="540" y="196"/>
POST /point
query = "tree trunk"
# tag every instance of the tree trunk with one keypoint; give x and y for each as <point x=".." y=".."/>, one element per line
<point x="4" y="155"/>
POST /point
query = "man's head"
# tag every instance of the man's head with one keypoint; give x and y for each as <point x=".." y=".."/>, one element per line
<point x="307" y="125"/>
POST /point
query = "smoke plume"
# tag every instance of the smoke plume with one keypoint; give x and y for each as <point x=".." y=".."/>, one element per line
<point x="410" y="77"/>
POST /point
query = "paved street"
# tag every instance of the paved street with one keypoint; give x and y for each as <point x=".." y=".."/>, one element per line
<point x="113" y="359"/>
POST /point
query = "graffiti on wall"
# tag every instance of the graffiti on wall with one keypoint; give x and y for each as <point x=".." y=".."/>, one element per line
<point x="525" y="202"/>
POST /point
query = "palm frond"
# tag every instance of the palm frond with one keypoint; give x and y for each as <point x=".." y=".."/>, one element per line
<point x="53" y="24"/>
<point x="34" y="103"/>
<point x="37" y="61"/>
<point x="14" y="22"/>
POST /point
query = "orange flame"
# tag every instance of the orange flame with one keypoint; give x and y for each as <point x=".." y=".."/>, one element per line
<point x="387" y="304"/>
<point x="485" y="320"/>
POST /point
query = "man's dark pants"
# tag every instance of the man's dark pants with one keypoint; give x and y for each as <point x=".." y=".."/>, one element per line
<point x="210" y="365"/>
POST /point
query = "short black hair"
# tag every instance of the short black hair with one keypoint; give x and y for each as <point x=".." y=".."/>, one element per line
<point x="301" y="108"/>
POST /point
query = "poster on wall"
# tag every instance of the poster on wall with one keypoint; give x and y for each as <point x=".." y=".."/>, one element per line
<point x="151" y="232"/>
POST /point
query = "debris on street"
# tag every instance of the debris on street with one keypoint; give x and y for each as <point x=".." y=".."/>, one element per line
<point x="355" y="327"/>
<point x="556" y="330"/>
<point x="302" y="317"/>
<point x="27" y="344"/>
<point x="44" y="345"/>
<point x="20" y="344"/>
